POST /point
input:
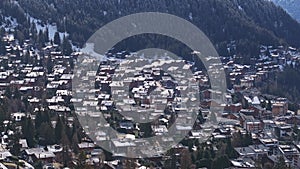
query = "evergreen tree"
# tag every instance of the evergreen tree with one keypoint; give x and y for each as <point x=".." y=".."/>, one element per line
<point x="38" y="120"/>
<point x="186" y="160"/>
<point x="247" y="139"/>
<point x="38" y="165"/>
<point x="82" y="161"/>
<point x="3" y="115"/>
<point x="28" y="131"/>
<point x="19" y="36"/>
<point x="58" y="130"/>
<point x="200" y="117"/>
<point x="46" y="35"/>
<point x="14" y="145"/>
<point x="8" y="92"/>
<point x="50" y="65"/>
<point x="75" y="143"/>
<point x="245" y="103"/>
<point x="204" y="162"/>
<point x="57" y="40"/>
<point x="41" y="39"/>
<point x="230" y="152"/>
<point x="280" y="164"/>
<point x="269" y="105"/>
<point x="66" y="46"/>
<point x="46" y="133"/>
<point x="220" y="162"/>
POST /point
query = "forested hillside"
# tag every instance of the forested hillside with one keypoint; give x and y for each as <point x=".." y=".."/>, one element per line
<point x="221" y="20"/>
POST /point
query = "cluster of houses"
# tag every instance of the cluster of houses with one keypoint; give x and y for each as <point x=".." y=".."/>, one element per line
<point x="38" y="80"/>
<point x="164" y="93"/>
<point x="272" y="125"/>
<point x="143" y="93"/>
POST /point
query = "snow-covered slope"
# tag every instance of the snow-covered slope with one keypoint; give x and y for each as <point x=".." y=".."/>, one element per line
<point x="52" y="28"/>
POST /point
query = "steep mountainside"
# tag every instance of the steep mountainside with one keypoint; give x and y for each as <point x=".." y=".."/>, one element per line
<point x="291" y="6"/>
<point x="250" y="22"/>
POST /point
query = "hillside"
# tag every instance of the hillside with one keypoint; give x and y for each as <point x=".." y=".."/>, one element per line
<point x="221" y="20"/>
<point x="291" y="6"/>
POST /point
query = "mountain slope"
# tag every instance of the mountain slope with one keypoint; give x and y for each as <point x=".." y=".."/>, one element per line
<point x="291" y="6"/>
<point x="250" y="22"/>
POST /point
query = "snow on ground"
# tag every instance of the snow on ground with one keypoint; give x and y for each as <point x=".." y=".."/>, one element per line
<point x="240" y="8"/>
<point x="191" y="16"/>
<point x="104" y="13"/>
<point x="89" y="49"/>
<point x="52" y="28"/>
<point x="9" y="24"/>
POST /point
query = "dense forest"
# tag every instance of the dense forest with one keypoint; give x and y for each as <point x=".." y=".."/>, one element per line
<point x="285" y="84"/>
<point x="221" y="20"/>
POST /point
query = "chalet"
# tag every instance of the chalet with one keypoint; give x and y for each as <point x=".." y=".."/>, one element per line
<point x="122" y="146"/>
<point x="5" y="154"/>
<point x="245" y="152"/>
<point x="127" y="125"/>
<point x="234" y="108"/>
<point x="280" y="107"/>
<point x="35" y="154"/>
<point x="247" y="82"/>
<point x="253" y="126"/>
<point x="242" y="163"/>
<point x="18" y="116"/>
<point x="284" y="130"/>
<point x="86" y="146"/>
<point x="291" y="153"/>
<point x="23" y="143"/>
<point x="159" y="130"/>
<point x="268" y="124"/>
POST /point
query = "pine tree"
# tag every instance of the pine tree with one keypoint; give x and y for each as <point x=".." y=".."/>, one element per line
<point x="41" y="39"/>
<point x="58" y="130"/>
<point x="8" y="92"/>
<point x="38" y="120"/>
<point x="247" y="139"/>
<point x="200" y="117"/>
<point x="50" y="65"/>
<point x="220" y="162"/>
<point x="38" y="165"/>
<point x="19" y="36"/>
<point x="2" y="47"/>
<point x="269" y="105"/>
<point x="230" y="152"/>
<point x="82" y="161"/>
<point x="3" y="115"/>
<point x="75" y="143"/>
<point x="46" y="35"/>
<point x="66" y="46"/>
<point x="280" y="164"/>
<point x="57" y="40"/>
<point x="14" y="144"/>
<point x="28" y="131"/>
<point x="186" y="159"/>
<point x="46" y="132"/>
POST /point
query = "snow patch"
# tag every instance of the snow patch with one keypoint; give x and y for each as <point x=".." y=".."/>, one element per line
<point x="89" y="49"/>
<point x="240" y="8"/>
<point x="10" y="23"/>
<point x="52" y="28"/>
<point x="191" y="16"/>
